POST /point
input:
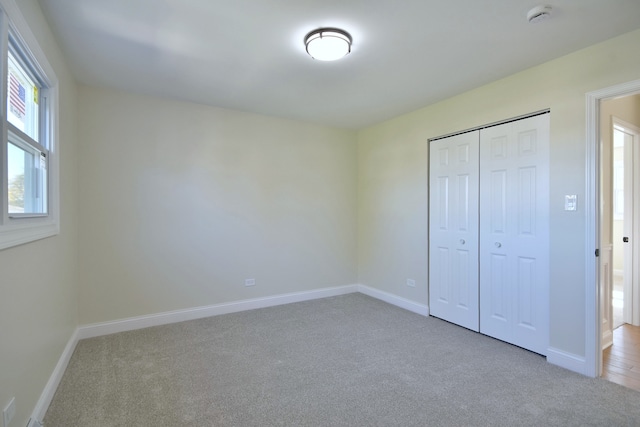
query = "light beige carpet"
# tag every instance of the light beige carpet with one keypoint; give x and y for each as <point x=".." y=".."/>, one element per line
<point x="341" y="361"/>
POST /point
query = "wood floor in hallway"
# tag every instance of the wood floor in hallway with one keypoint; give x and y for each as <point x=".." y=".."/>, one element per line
<point x="621" y="361"/>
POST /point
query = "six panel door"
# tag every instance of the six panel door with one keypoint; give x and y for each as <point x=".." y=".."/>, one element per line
<point x="488" y="231"/>
<point x="514" y="229"/>
<point x="453" y="229"/>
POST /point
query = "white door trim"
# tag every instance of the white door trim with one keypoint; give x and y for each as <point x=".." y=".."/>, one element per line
<point x="593" y="352"/>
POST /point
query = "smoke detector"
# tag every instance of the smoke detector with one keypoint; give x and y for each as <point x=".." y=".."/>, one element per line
<point x="538" y="14"/>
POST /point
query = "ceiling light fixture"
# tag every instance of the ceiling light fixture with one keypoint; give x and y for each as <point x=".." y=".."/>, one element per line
<point x="328" y="44"/>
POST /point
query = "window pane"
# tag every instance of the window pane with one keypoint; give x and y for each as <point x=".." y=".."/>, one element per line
<point x="22" y="99"/>
<point x="27" y="181"/>
<point x="16" y="179"/>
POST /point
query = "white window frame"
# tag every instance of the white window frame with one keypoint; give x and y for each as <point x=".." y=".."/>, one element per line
<point x="19" y="229"/>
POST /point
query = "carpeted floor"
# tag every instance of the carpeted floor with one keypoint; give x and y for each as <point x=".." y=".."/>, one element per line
<point x="343" y="361"/>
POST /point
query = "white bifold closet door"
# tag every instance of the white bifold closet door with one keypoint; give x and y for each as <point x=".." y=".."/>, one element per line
<point x="488" y="231"/>
<point x="514" y="232"/>
<point x="453" y="229"/>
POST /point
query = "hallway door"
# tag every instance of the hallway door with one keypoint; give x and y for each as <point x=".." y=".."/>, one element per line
<point x="626" y="207"/>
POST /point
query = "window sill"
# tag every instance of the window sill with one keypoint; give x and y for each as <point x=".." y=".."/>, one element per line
<point x="14" y="236"/>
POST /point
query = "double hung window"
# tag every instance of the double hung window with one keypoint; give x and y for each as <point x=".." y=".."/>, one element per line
<point x="29" y="166"/>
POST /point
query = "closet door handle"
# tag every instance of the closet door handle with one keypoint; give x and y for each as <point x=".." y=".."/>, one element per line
<point x="625" y="239"/>
<point x="462" y="242"/>
<point x="498" y="245"/>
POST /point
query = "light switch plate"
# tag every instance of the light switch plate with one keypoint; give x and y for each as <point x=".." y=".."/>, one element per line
<point x="570" y="202"/>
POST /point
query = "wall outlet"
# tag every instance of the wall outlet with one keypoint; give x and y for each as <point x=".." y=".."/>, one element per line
<point x="411" y="283"/>
<point x="9" y="412"/>
<point x="250" y="282"/>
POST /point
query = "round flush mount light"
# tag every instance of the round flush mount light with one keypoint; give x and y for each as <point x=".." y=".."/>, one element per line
<point x="539" y="13"/>
<point x="328" y="44"/>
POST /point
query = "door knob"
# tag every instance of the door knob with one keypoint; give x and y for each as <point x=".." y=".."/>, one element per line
<point x="498" y="245"/>
<point x="625" y="239"/>
<point x="462" y="242"/>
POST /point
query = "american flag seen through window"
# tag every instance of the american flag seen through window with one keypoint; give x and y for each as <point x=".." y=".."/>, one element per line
<point x="22" y="99"/>
<point x="17" y="96"/>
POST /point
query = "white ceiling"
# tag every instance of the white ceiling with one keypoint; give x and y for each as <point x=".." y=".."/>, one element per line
<point x="249" y="55"/>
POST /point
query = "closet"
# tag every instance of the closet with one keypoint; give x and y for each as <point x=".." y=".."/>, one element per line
<point x="489" y="230"/>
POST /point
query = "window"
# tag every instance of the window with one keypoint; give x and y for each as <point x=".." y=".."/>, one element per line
<point x="29" y="166"/>
<point x="26" y="158"/>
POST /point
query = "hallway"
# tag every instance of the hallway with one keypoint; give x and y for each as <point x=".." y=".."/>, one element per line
<point x="621" y="361"/>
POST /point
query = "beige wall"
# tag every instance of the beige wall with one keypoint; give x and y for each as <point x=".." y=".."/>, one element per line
<point x="181" y="203"/>
<point x="38" y="287"/>
<point x="393" y="172"/>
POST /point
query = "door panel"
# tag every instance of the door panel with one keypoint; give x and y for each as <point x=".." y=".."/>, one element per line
<point x="463" y="264"/>
<point x="442" y="196"/>
<point x="441" y="271"/>
<point x="630" y="134"/>
<point x="498" y="204"/>
<point x="453" y="229"/>
<point x="464" y="214"/>
<point x="499" y="296"/>
<point x="514" y="247"/>
<point x="526" y="293"/>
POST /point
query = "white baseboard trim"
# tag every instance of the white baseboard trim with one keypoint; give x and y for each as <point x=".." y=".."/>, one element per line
<point x="394" y="300"/>
<point x="557" y="357"/>
<point x="140" y="322"/>
<point x="607" y="339"/>
<point x="34" y="423"/>
<point x="567" y="360"/>
<point x="54" y="380"/>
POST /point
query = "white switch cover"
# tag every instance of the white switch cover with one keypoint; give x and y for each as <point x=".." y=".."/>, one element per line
<point x="570" y="202"/>
<point x="9" y="412"/>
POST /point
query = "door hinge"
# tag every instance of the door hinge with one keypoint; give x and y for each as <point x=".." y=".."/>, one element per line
<point x="597" y="252"/>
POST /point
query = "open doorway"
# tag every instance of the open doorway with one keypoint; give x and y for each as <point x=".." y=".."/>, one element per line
<point x="620" y="238"/>
<point x="594" y="277"/>
<point x="625" y="198"/>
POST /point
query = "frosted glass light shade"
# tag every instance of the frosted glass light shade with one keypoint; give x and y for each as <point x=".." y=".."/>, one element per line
<point x="328" y="44"/>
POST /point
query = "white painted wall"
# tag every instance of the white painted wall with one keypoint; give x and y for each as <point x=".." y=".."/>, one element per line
<point x="181" y="203"/>
<point x="38" y="284"/>
<point x="393" y="171"/>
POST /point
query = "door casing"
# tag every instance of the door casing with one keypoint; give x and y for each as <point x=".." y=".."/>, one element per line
<point x="593" y="354"/>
